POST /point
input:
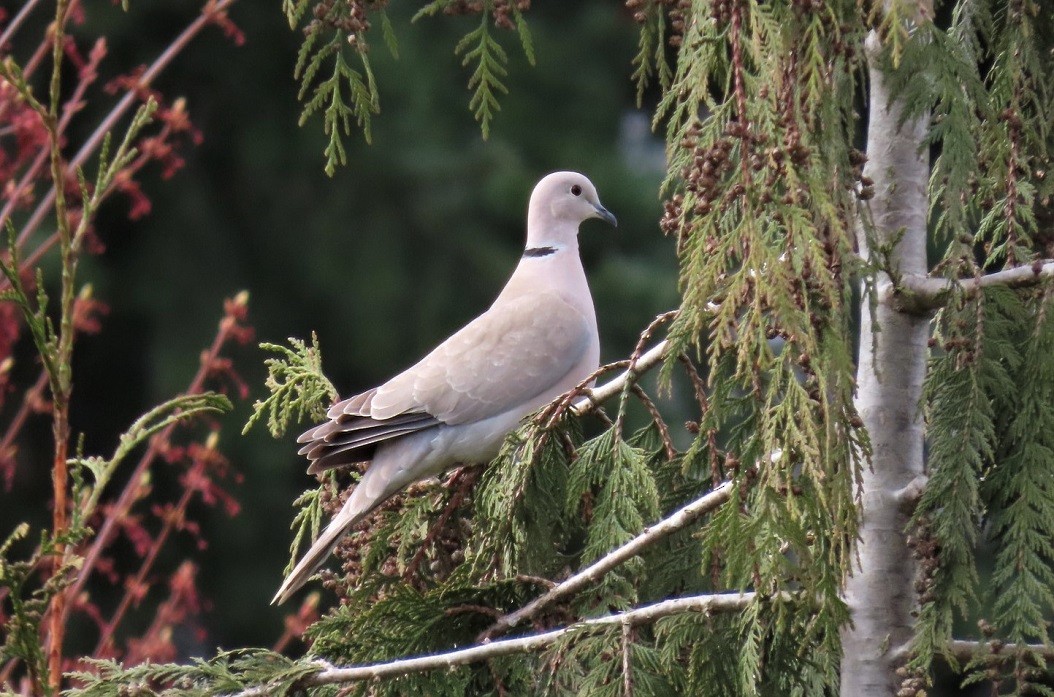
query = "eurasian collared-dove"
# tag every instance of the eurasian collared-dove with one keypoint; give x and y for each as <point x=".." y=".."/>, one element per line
<point x="538" y="340"/>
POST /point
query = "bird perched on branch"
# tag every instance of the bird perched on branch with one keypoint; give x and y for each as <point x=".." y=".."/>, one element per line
<point x="538" y="340"/>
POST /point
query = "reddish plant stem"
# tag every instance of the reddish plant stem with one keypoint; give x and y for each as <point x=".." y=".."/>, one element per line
<point x="131" y="591"/>
<point x="656" y="417"/>
<point x="699" y="387"/>
<point x="158" y="444"/>
<point x="295" y="625"/>
<point x="634" y="358"/>
<point x="59" y="378"/>
<point x="211" y="10"/>
<point x="16" y="22"/>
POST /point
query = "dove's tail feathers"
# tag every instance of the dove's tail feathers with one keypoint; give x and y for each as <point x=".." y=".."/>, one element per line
<point x="347" y="440"/>
<point x="390" y="471"/>
<point x="315" y="557"/>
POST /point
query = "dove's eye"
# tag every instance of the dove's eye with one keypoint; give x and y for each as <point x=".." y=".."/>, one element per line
<point x="576" y="190"/>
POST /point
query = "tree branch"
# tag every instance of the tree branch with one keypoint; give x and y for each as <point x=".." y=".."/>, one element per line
<point x="966" y="650"/>
<point x="595" y="397"/>
<point x="682" y="518"/>
<point x="329" y="674"/>
<point x="925" y="293"/>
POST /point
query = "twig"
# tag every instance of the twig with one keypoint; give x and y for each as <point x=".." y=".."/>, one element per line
<point x="59" y="380"/>
<point x="329" y="674"/>
<point x="699" y="386"/>
<point x="296" y="624"/>
<point x="656" y="417"/>
<point x="555" y="410"/>
<point x="172" y="519"/>
<point x="30" y="402"/>
<point x="678" y="520"/>
<point x="16" y="22"/>
<point x="71" y="107"/>
<point x="965" y="650"/>
<point x="627" y="675"/>
<point x="634" y="358"/>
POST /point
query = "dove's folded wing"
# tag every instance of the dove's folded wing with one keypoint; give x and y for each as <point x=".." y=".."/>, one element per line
<point x="503" y="360"/>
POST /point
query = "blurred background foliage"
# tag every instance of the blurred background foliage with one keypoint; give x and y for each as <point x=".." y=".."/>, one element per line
<point x="412" y="238"/>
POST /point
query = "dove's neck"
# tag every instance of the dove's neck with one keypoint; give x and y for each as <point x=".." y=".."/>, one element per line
<point x="544" y="230"/>
<point x="552" y="266"/>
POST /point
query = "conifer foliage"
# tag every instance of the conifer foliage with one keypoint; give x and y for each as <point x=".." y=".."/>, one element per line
<point x="789" y="227"/>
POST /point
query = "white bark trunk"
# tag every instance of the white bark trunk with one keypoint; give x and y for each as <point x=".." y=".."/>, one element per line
<point x="892" y="365"/>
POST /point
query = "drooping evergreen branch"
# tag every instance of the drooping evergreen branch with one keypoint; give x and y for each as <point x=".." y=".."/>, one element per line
<point x="329" y="674"/>
<point x="679" y="520"/>
<point x="923" y="293"/>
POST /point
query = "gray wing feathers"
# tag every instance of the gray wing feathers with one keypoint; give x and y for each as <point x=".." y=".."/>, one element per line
<point x="501" y="359"/>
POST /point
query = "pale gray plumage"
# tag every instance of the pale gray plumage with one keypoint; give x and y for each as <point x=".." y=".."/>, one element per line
<point x="538" y="340"/>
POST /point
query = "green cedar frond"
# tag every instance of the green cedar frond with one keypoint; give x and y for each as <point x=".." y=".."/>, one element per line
<point x="338" y="30"/>
<point x="1019" y="496"/>
<point x="611" y="485"/>
<point x="308" y="520"/>
<point x="482" y="49"/>
<point x="297" y="387"/>
<point x="980" y="350"/>
<point x="229" y="672"/>
<point x="520" y="517"/>
<point x="650" y="59"/>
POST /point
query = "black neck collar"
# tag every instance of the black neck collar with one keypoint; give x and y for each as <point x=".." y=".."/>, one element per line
<point x="538" y="251"/>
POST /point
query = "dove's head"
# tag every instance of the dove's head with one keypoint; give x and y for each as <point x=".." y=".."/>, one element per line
<point x="559" y="204"/>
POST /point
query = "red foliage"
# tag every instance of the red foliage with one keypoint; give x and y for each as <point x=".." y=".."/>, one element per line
<point x="135" y="510"/>
<point x="224" y="22"/>
<point x="10" y="329"/>
<point x="87" y="314"/>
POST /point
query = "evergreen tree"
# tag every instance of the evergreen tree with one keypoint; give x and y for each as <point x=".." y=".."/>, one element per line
<point x="821" y="531"/>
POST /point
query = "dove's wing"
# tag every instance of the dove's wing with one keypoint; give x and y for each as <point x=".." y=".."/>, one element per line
<point x="503" y="360"/>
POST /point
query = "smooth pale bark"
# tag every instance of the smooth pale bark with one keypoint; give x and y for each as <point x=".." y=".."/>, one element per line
<point x="892" y="365"/>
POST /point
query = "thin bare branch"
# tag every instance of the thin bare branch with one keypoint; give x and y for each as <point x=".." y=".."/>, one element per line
<point x="678" y="520"/>
<point x="16" y="22"/>
<point x="329" y="674"/>
<point x="924" y="293"/>
<point x="210" y="11"/>
<point x="965" y="650"/>
<point x="595" y="397"/>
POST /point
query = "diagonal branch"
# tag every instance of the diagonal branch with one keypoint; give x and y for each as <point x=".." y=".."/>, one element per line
<point x="329" y="674"/>
<point x="682" y="518"/>
<point x="595" y="397"/>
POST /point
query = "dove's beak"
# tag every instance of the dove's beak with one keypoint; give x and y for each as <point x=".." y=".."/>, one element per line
<point x="605" y="215"/>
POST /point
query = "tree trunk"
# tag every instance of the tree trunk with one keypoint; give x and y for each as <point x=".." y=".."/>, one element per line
<point x="892" y="366"/>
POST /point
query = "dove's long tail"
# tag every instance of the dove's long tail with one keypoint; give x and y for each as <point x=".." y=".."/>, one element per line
<point x="316" y="556"/>
<point x="396" y="464"/>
